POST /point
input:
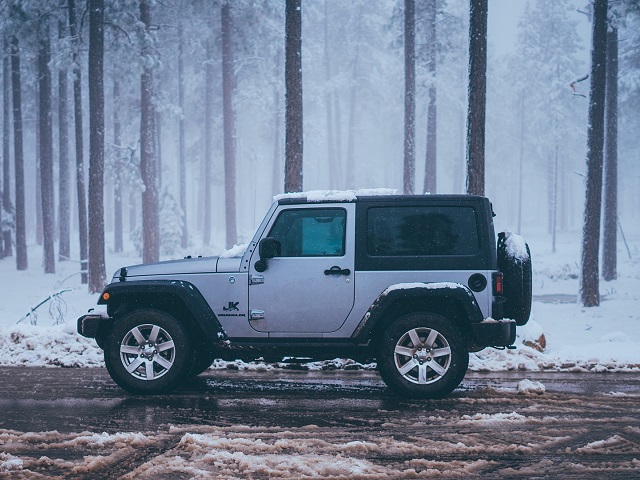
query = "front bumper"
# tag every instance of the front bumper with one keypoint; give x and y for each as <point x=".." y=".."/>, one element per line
<point x="89" y="325"/>
<point x="495" y="333"/>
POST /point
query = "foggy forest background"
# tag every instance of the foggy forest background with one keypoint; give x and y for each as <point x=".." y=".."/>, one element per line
<point x="191" y="72"/>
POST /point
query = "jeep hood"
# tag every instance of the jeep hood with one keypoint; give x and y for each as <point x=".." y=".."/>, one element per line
<point x="184" y="266"/>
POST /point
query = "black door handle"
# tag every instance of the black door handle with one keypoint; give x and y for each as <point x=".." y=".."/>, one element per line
<point x="335" y="270"/>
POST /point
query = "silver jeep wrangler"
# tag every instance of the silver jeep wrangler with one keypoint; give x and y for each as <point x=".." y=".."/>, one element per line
<point x="412" y="282"/>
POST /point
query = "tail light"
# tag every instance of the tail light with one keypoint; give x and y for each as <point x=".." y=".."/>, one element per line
<point x="497" y="283"/>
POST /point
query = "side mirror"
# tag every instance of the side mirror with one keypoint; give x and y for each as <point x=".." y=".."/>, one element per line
<point x="268" y="247"/>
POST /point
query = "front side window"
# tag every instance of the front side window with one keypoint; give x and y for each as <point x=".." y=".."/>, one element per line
<point x="422" y="231"/>
<point x="312" y="232"/>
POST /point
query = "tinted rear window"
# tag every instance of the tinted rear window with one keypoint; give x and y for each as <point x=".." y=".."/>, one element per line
<point x="422" y="231"/>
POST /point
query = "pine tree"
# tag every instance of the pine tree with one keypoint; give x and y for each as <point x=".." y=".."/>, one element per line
<point x="477" y="96"/>
<point x="21" y="236"/>
<point x="589" y="279"/>
<point x="46" y="146"/>
<point x="6" y="209"/>
<point x="409" y="98"/>
<point x="64" y="209"/>
<point x="79" y="143"/>
<point x="97" y="272"/>
<point x="148" y="166"/>
<point x="610" y="221"/>
<point x="430" y="170"/>
<point x="228" y="124"/>
<point x="293" y="79"/>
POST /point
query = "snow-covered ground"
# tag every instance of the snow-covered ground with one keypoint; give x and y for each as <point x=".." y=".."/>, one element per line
<point x="605" y="338"/>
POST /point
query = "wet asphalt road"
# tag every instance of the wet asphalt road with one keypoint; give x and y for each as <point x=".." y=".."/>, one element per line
<point x="585" y="425"/>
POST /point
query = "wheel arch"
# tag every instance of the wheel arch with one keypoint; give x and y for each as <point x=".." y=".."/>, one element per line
<point x="180" y="299"/>
<point x="450" y="300"/>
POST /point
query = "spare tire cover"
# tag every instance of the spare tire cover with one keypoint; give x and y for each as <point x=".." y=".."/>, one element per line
<point x="514" y="261"/>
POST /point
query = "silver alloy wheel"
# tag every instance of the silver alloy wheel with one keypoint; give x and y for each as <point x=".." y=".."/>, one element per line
<point x="422" y="355"/>
<point x="147" y="352"/>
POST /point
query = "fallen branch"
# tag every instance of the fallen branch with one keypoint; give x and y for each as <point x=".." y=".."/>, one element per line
<point x="32" y="310"/>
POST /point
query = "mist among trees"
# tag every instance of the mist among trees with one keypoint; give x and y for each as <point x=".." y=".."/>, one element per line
<point x="167" y="127"/>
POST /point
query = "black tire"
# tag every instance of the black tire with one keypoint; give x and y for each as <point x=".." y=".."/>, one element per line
<point x="148" y="352"/>
<point x="517" y="282"/>
<point x="202" y="360"/>
<point x="405" y="356"/>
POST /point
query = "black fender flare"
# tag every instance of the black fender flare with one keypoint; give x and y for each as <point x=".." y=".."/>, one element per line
<point x="378" y="315"/>
<point x="152" y="292"/>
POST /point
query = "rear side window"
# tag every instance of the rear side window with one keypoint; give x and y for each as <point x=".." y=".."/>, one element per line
<point x="422" y="231"/>
<point x="313" y="232"/>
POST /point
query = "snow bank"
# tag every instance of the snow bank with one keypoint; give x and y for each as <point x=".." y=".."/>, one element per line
<point x="36" y="346"/>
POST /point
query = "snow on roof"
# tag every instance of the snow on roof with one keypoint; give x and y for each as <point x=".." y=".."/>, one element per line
<point x="336" y="195"/>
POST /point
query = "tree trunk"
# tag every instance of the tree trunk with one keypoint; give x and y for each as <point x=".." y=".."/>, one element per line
<point x="276" y="177"/>
<point x="5" y="241"/>
<point x="21" y="237"/>
<point x="521" y="164"/>
<point x="77" y="113"/>
<point x="46" y="149"/>
<point x="117" y="187"/>
<point x="229" y="125"/>
<point x="38" y="189"/>
<point x="208" y="139"/>
<point x="351" y="141"/>
<point x="64" y="210"/>
<point x="430" y="168"/>
<point x="293" y="80"/>
<point x="184" y="239"/>
<point x="409" y="98"/>
<point x="148" y="166"/>
<point x="97" y="273"/>
<point x="609" y="254"/>
<point x="477" y="96"/>
<point x="332" y="159"/>
<point x="589" y="280"/>
<point x="158" y="146"/>
<point x="554" y="199"/>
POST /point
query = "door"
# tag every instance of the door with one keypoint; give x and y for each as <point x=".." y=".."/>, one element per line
<point x="308" y="288"/>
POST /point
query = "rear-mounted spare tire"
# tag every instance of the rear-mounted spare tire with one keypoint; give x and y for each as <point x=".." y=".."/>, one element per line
<point x="514" y="261"/>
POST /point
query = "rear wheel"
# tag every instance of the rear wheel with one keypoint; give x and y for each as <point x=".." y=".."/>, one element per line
<point x="423" y="355"/>
<point x="148" y="351"/>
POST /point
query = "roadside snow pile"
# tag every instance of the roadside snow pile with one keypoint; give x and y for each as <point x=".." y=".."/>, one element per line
<point x="58" y="346"/>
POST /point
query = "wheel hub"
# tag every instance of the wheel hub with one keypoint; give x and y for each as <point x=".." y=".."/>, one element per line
<point x="422" y="355"/>
<point x="147" y="352"/>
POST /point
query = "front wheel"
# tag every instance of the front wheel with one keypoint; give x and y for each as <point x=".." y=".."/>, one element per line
<point x="148" y="352"/>
<point x="423" y="355"/>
